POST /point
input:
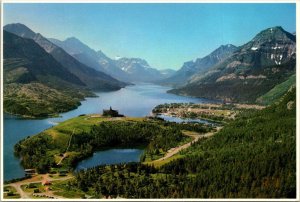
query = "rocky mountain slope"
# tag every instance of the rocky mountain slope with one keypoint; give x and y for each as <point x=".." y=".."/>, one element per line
<point x="250" y="72"/>
<point x="125" y="69"/>
<point x="199" y="65"/>
<point x="86" y="55"/>
<point x="138" y="70"/>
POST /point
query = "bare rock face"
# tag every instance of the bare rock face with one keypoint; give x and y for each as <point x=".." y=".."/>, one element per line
<point x="289" y="105"/>
<point x="274" y="45"/>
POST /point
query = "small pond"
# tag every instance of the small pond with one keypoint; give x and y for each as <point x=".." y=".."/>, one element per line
<point x="111" y="156"/>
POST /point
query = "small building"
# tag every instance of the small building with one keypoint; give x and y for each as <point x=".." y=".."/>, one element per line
<point x="48" y="189"/>
<point x="112" y="113"/>
<point x="46" y="182"/>
<point x="63" y="172"/>
<point x="30" y="172"/>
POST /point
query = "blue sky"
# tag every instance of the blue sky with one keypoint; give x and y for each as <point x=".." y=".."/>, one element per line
<point x="166" y="35"/>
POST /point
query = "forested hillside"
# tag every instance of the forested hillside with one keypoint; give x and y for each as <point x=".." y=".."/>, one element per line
<point x="251" y="157"/>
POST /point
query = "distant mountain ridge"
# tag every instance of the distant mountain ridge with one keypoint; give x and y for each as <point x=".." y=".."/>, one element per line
<point x="93" y="79"/>
<point x="251" y="71"/>
<point x="125" y="69"/>
<point x="138" y="69"/>
<point x="200" y="65"/>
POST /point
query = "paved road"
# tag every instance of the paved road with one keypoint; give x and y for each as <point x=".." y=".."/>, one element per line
<point x="197" y="136"/>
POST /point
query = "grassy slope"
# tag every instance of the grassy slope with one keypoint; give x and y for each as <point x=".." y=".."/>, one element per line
<point x="81" y="124"/>
<point x="278" y="91"/>
<point x="61" y="133"/>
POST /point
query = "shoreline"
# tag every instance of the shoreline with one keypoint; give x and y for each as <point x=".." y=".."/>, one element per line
<point x="54" y="116"/>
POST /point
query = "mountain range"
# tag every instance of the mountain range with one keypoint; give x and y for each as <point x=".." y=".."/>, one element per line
<point x="45" y="76"/>
<point x="252" y="70"/>
<point x="124" y="69"/>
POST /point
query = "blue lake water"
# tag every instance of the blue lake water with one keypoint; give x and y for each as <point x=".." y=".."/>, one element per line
<point x="180" y="120"/>
<point x="111" y="156"/>
<point x="137" y="100"/>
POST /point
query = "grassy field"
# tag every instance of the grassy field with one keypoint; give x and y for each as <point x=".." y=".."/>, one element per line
<point x="278" y="91"/>
<point x="32" y="187"/>
<point x="83" y="123"/>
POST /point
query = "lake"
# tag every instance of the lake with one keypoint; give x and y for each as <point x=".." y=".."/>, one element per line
<point x="180" y="120"/>
<point x="137" y="100"/>
<point x="111" y="156"/>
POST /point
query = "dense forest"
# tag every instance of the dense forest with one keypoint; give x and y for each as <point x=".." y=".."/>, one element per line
<point x="251" y="157"/>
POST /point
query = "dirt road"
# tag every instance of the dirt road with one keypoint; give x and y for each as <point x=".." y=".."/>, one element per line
<point x="36" y="179"/>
